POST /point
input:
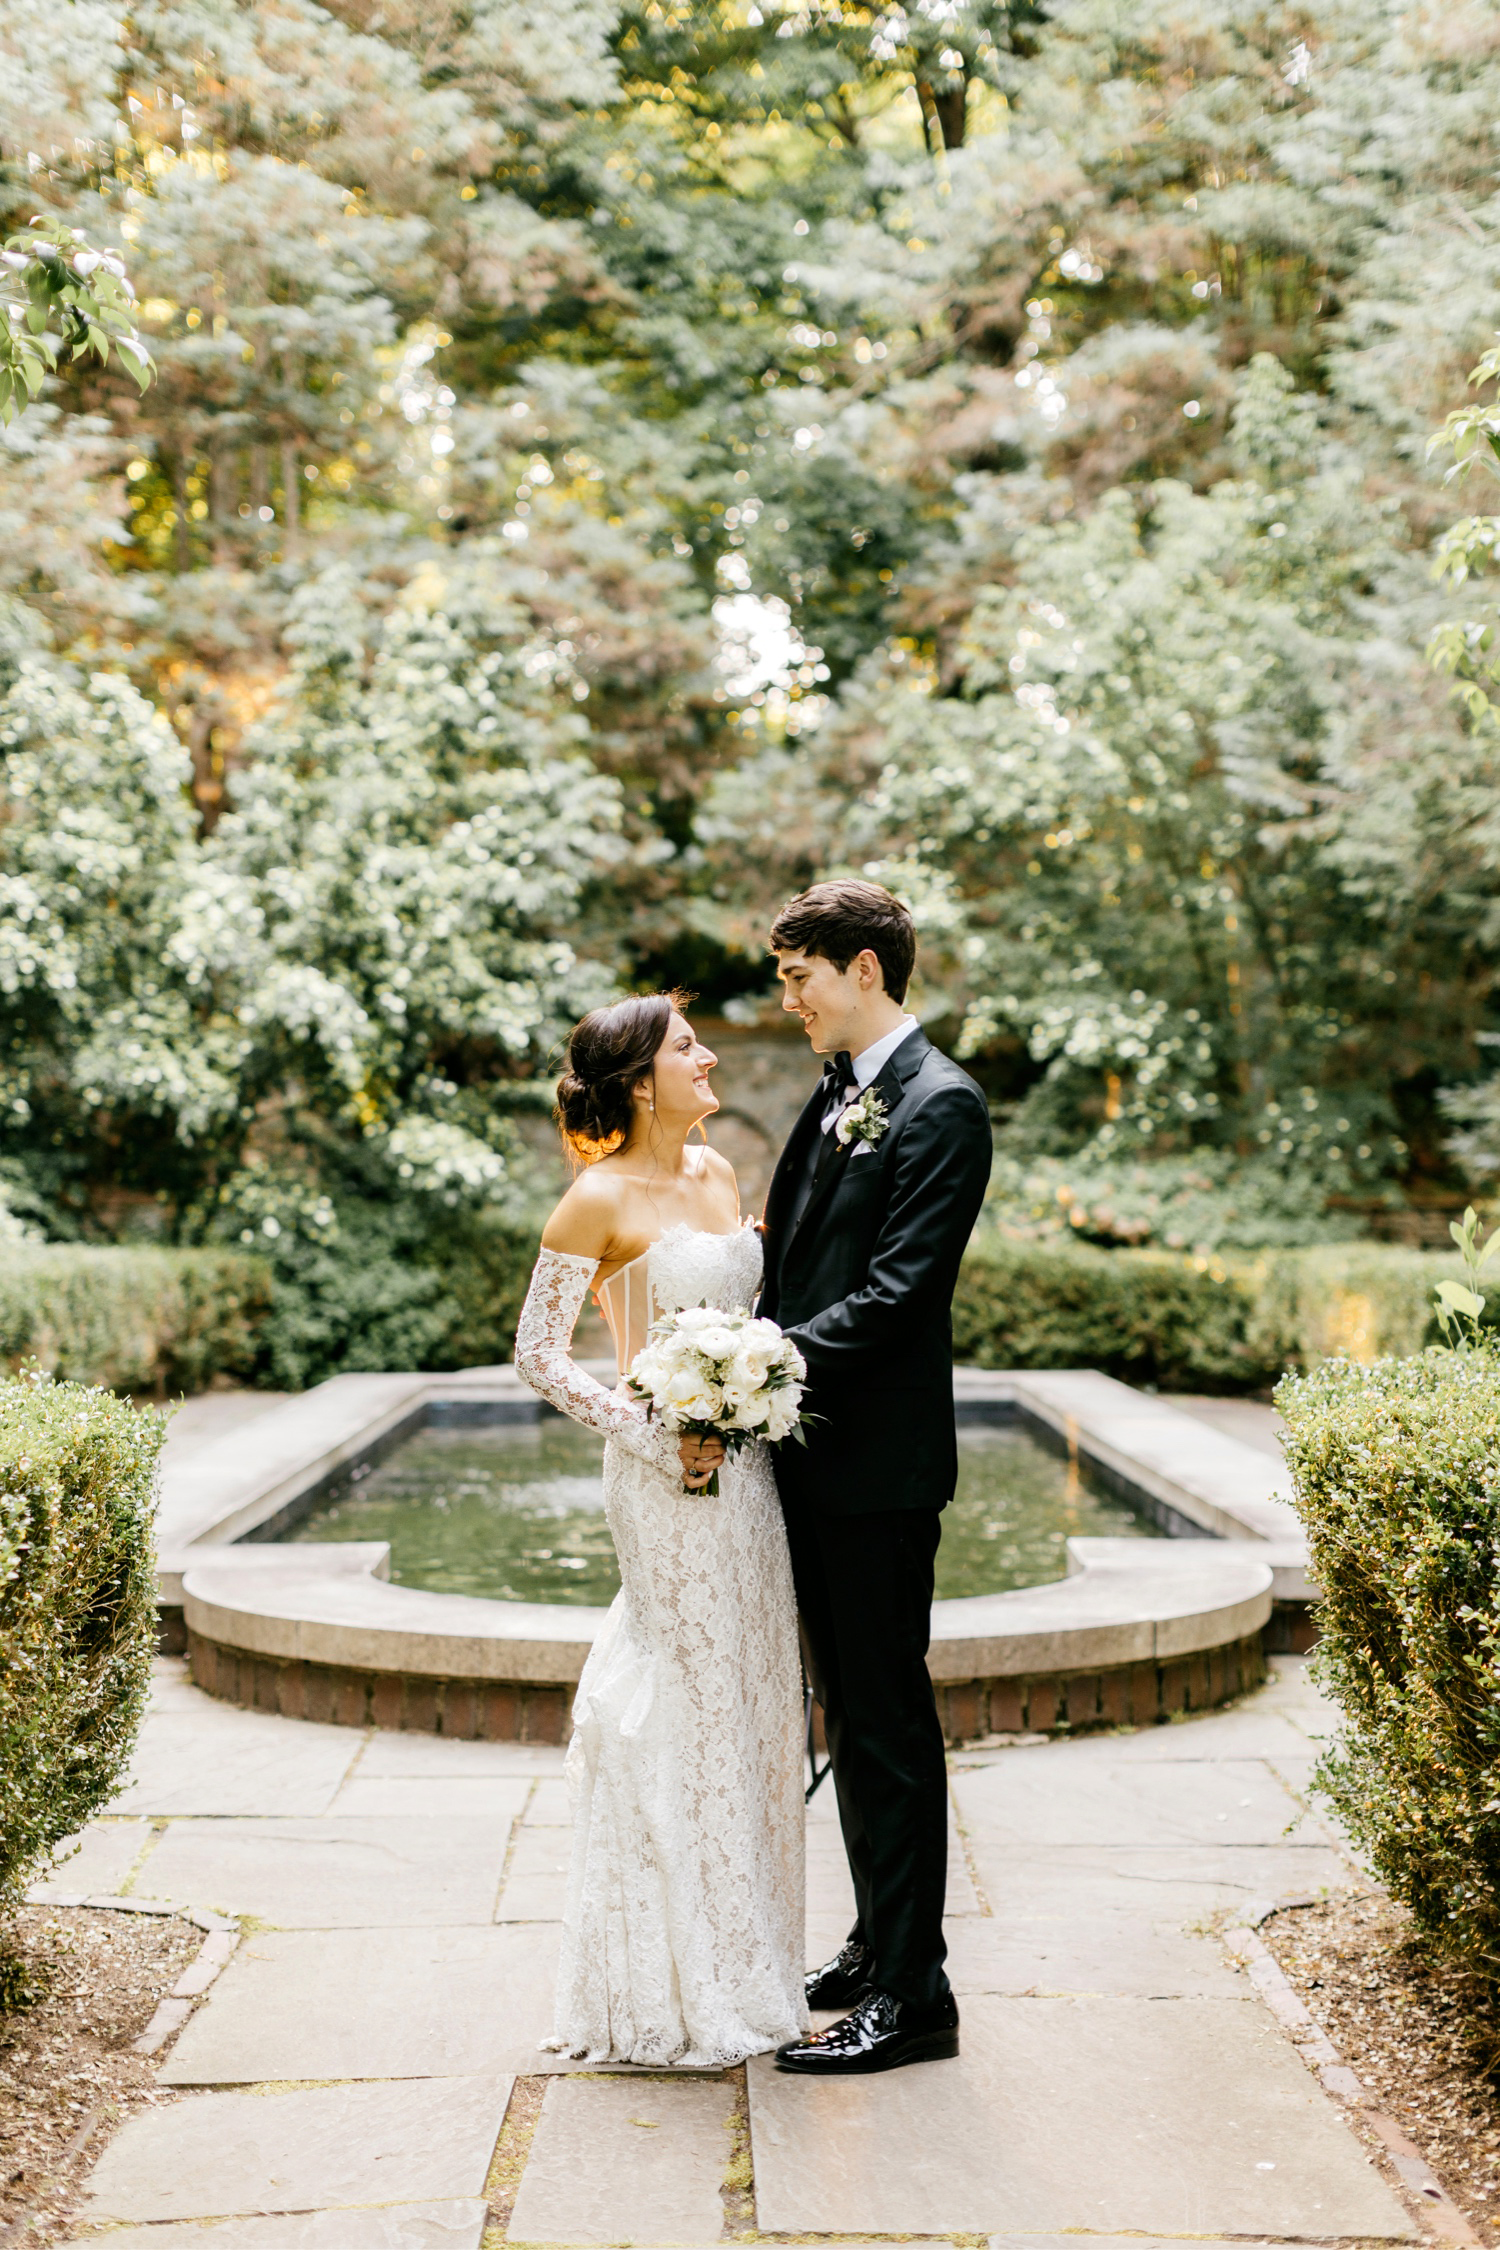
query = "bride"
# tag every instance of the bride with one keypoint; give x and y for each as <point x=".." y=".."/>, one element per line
<point x="683" y="1931"/>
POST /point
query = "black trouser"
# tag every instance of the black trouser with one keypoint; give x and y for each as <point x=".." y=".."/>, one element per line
<point x="864" y="1588"/>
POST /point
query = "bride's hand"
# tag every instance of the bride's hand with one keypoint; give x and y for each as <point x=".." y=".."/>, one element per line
<point x="699" y="1457"/>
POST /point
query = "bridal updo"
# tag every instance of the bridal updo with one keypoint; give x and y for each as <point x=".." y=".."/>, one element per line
<point x="608" y="1055"/>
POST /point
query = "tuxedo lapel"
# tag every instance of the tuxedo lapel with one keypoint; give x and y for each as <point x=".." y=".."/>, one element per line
<point x="890" y="1084"/>
<point x="781" y="1196"/>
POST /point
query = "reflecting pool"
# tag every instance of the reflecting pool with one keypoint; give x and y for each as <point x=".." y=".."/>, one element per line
<point x="516" y="1512"/>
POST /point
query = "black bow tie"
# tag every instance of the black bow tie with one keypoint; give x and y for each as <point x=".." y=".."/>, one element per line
<point x="838" y="1075"/>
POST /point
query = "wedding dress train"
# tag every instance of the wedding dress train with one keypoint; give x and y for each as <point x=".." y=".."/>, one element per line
<point x="683" y="1931"/>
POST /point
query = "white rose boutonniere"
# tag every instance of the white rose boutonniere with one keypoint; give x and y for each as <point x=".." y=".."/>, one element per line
<point x="864" y="1120"/>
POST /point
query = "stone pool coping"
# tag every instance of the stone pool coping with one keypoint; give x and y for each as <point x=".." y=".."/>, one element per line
<point x="1137" y="1629"/>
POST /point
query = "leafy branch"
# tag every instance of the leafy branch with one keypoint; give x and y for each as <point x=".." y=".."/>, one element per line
<point x="62" y="301"/>
<point x="1460" y="1305"/>
<point x="1468" y="648"/>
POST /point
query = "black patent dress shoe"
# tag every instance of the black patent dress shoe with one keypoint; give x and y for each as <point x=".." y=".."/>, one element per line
<point x="881" y="2033"/>
<point x="839" y="1983"/>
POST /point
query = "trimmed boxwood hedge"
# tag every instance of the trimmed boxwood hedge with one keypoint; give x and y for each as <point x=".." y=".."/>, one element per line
<point x="1151" y="1317"/>
<point x="133" y="1319"/>
<point x="162" y="1321"/>
<point x="77" y="1614"/>
<point x="1396" y="1474"/>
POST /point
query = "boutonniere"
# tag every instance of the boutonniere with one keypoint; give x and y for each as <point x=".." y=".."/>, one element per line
<point x="864" y="1120"/>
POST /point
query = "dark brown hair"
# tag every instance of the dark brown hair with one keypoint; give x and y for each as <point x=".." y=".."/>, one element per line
<point x="608" y="1055"/>
<point x="843" y="917"/>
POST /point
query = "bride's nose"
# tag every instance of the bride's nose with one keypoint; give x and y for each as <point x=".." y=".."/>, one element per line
<point x="707" y="1059"/>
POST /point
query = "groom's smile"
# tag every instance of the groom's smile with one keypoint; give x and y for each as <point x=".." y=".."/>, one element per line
<point x="838" y="1008"/>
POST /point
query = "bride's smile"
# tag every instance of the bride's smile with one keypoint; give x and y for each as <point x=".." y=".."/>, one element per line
<point x="678" y="1093"/>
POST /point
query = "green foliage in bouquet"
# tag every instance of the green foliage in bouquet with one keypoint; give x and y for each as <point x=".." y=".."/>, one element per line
<point x="77" y="1616"/>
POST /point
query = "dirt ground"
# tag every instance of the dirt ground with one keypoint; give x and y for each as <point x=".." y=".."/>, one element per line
<point x="1399" y="2023"/>
<point x="67" y="2075"/>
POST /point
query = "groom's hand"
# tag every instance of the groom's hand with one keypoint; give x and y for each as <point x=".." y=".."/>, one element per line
<point x="699" y="1457"/>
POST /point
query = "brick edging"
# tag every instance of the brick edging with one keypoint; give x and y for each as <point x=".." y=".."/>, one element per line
<point x="1140" y="1694"/>
<point x="342" y="1695"/>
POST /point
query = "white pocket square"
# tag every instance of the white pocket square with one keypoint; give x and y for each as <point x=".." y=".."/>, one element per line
<point x="860" y="1148"/>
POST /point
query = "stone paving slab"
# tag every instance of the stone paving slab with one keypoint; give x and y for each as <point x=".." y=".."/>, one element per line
<point x="106" y="1852"/>
<point x="409" y="2226"/>
<point x="1188" y="1883"/>
<point x="1125" y="1955"/>
<point x="390" y="2003"/>
<point x="226" y="2155"/>
<point x="1258" y="1729"/>
<point x="626" y="2160"/>
<point x="333" y="1873"/>
<point x="1063" y="1801"/>
<point x="496" y="1798"/>
<point x="1105" y="2242"/>
<point x="1110" y="2116"/>
<point x="208" y="1757"/>
<point x="536" y="1879"/>
<point x="549" y="1806"/>
<point x="398" y="1756"/>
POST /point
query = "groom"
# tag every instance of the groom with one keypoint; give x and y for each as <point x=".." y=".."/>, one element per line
<point x="869" y="1210"/>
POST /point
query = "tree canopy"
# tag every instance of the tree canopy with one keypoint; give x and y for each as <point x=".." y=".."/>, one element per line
<point x="607" y="465"/>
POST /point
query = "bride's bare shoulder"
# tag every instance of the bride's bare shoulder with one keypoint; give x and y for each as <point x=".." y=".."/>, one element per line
<point x="584" y="1224"/>
<point x="717" y="1172"/>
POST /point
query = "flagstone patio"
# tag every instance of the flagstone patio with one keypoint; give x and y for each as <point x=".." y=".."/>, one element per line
<point x="346" y="2081"/>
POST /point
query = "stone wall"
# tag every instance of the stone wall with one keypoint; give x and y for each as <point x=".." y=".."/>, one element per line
<point x="765" y="1074"/>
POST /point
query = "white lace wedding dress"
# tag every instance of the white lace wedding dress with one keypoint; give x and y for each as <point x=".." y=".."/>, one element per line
<point x="683" y="1932"/>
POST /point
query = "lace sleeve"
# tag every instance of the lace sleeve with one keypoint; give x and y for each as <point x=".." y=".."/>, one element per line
<point x="544" y="1359"/>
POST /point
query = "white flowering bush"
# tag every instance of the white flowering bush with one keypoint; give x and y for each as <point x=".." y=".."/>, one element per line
<point x="303" y="1034"/>
<point x="725" y="1375"/>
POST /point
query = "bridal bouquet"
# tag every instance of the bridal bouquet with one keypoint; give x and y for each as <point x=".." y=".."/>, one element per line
<point x="720" y="1374"/>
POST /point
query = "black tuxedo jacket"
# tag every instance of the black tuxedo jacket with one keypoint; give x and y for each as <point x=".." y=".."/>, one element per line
<point x="863" y="1282"/>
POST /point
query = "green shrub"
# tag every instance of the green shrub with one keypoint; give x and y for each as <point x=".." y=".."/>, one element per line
<point x="393" y="1285"/>
<point x="1132" y="1313"/>
<point x="1396" y="1472"/>
<point x="132" y="1319"/>
<point x="1149" y="1316"/>
<point x="1355" y="1300"/>
<point x="77" y="1610"/>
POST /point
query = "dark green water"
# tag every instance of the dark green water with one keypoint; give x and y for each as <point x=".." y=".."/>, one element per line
<point x="518" y="1514"/>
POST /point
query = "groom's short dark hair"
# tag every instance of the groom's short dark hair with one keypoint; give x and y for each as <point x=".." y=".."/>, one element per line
<point x="843" y="917"/>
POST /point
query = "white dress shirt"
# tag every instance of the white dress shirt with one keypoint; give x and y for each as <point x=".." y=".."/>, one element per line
<point x="870" y="1062"/>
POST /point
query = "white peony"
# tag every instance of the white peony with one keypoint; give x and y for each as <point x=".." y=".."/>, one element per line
<point x="715" y="1343"/>
<point x="688" y="1394"/>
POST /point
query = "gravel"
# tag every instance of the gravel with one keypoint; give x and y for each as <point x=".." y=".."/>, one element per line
<point x="67" y="2075"/>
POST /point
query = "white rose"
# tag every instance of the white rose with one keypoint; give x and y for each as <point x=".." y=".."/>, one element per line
<point x="694" y="1317"/>
<point x="764" y="1332"/>
<point x="750" y="1367"/>
<point x="715" y="1343"/>
<point x="781" y="1413"/>
<point x="754" y="1412"/>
